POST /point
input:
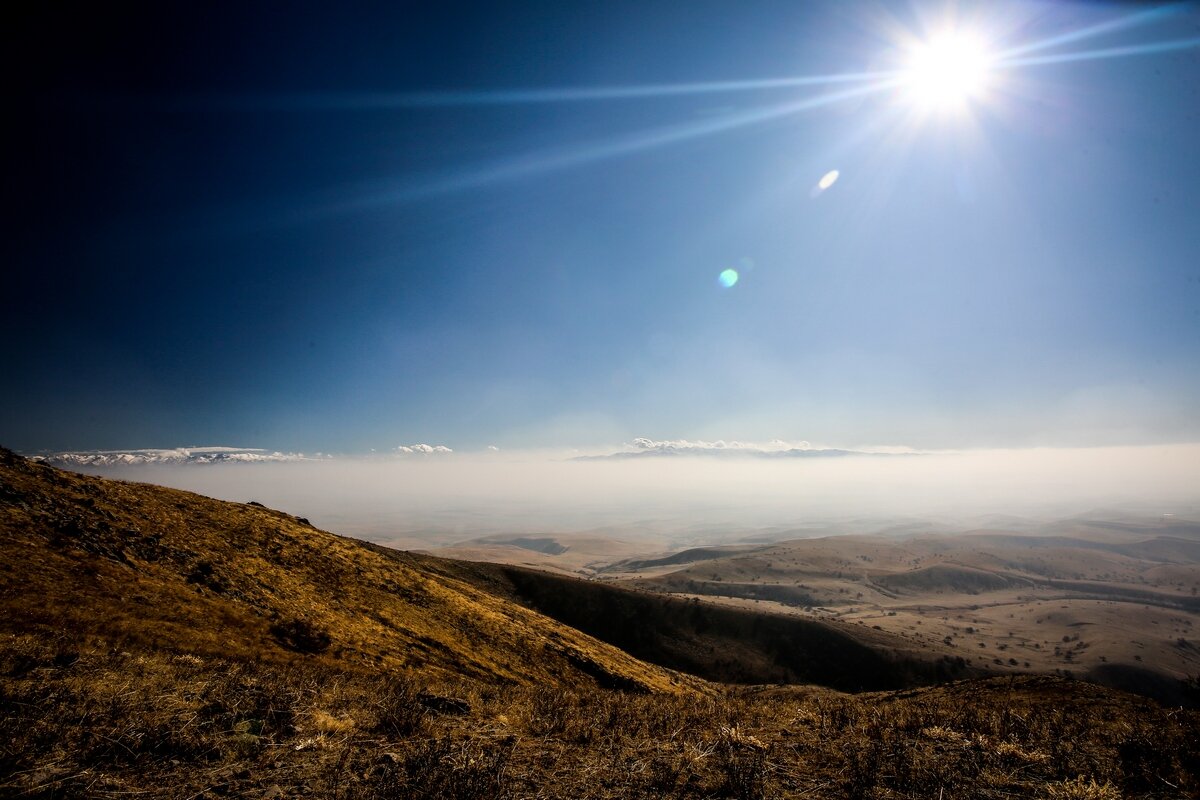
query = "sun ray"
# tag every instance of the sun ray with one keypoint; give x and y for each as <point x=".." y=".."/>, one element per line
<point x="366" y="101"/>
<point x="1109" y="52"/>
<point x="952" y="71"/>
<point x="538" y="163"/>
<point x="1099" y="29"/>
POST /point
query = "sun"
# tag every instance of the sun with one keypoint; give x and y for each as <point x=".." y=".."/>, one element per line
<point x="947" y="72"/>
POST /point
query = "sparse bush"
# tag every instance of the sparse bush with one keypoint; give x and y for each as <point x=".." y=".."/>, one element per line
<point x="1082" y="789"/>
<point x="665" y="772"/>
<point x="301" y="636"/>
<point x="861" y="770"/>
<point x="743" y="765"/>
<point x="450" y="769"/>
<point x="398" y="710"/>
<point x="547" y="711"/>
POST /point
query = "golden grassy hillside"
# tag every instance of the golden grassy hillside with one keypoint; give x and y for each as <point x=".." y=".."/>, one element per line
<point x="143" y="566"/>
<point x="109" y="724"/>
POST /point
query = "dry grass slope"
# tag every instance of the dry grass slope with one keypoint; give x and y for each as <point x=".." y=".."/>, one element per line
<point x="95" y="723"/>
<point x="142" y="566"/>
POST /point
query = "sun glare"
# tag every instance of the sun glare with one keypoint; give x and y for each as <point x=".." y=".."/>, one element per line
<point x="948" y="72"/>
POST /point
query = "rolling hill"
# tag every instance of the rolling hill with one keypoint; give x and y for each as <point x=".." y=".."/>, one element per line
<point x="1115" y="603"/>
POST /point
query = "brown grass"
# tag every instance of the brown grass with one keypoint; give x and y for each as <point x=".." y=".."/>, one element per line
<point x="103" y="723"/>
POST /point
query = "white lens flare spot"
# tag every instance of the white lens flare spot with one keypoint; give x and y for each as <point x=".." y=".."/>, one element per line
<point x="728" y="278"/>
<point x="827" y="180"/>
<point x="948" y="71"/>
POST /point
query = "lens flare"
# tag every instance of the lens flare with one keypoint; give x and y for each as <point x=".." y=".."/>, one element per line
<point x="827" y="180"/>
<point x="728" y="278"/>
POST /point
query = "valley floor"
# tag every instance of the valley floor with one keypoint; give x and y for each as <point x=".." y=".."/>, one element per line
<point x="1107" y="598"/>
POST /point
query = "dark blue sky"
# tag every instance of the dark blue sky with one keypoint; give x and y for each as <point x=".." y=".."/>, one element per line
<point x="260" y="225"/>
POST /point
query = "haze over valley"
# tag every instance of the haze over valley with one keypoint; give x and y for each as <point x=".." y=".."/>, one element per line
<point x="440" y="499"/>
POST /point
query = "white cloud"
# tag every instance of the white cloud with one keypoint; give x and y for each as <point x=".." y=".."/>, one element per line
<point x="643" y="447"/>
<point x="178" y="455"/>
<point x="423" y="449"/>
<point x="720" y="445"/>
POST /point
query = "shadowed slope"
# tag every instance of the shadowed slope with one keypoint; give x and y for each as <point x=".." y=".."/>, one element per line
<point x="718" y="642"/>
<point x="689" y="556"/>
<point x="950" y="578"/>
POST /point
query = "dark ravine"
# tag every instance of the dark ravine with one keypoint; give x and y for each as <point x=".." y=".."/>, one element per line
<point x="689" y="556"/>
<point x="717" y="642"/>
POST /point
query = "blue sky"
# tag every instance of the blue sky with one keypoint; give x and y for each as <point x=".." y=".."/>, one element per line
<point x="265" y="227"/>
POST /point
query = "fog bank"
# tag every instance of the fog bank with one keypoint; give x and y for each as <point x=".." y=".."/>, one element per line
<point x="440" y="499"/>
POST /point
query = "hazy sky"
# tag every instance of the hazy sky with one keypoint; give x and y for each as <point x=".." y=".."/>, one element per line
<point x="290" y="226"/>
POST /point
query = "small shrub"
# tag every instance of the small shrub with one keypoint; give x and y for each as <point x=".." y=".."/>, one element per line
<point x="1082" y="789"/>
<point x="743" y="765"/>
<point x="398" y="710"/>
<point x="547" y="712"/>
<point x="446" y="769"/>
<point x="301" y="636"/>
<point x="325" y="723"/>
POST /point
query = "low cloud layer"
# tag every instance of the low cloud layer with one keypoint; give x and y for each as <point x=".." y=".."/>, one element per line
<point x="206" y="455"/>
<point x="432" y="499"/>
<point x="643" y="448"/>
<point x="178" y="455"/>
<point x="700" y="446"/>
